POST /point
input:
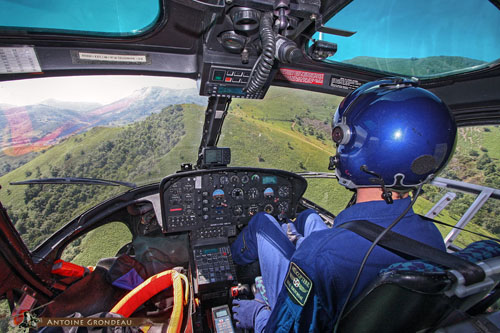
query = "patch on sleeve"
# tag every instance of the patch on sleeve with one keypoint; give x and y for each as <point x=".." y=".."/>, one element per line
<point x="298" y="284"/>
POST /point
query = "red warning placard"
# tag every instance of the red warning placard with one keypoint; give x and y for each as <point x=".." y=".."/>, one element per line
<point x="306" y="77"/>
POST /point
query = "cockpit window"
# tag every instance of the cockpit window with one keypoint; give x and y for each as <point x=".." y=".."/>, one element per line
<point x="91" y="17"/>
<point x="417" y="38"/>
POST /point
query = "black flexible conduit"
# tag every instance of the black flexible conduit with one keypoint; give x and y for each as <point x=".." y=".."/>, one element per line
<point x="265" y="62"/>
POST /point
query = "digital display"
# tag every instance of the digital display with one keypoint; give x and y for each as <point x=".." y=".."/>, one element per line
<point x="269" y="180"/>
<point x="213" y="156"/>
<point x="208" y="251"/>
<point x="230" y="90"/>
<point x="221" y="313"/>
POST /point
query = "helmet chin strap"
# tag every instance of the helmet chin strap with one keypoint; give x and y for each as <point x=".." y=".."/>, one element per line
<point x="386" y="194"/>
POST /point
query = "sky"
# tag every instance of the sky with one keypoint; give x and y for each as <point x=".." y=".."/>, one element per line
<point x="122" y="17"/>
<point x="100" y="89"/>
<point x="418" y="28"/>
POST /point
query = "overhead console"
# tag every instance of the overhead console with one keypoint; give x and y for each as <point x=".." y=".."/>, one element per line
<point x="248" y="39"/>
<point x="212" y="203"/>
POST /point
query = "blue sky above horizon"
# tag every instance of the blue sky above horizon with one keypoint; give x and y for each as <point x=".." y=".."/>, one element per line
<point x="95" y="17"/>
<point x="418" y="28"/>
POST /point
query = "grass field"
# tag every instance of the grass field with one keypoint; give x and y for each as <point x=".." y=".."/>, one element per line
<point x="481" y="139"/>
<point x="103" y="242"/>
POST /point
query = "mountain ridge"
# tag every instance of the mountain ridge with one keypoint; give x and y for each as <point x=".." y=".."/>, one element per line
<point x="428" y="66"/>
<point x="34" y="128"/>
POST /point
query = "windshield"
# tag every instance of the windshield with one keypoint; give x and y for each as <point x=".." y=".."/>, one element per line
<point x="417" y="38"/>
<point x="132" y="129"/>
<point x="139" y="129"/>
<point x="90" y="17"/>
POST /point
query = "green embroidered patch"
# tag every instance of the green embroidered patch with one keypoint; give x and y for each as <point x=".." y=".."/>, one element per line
<point x="298" y="284"/>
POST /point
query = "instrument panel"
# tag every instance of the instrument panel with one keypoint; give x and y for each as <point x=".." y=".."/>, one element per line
<point x="211" y="203"/>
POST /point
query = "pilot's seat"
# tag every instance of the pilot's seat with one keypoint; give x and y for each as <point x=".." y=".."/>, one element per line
<point x="417" y="295"/>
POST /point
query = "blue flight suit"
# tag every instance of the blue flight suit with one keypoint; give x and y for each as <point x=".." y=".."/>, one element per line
<point x="308" y="284"/>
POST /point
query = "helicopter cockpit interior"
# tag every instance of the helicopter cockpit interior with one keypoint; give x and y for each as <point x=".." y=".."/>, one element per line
<point x="184" y="224"/>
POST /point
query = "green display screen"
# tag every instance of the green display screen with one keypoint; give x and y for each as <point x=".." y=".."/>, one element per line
<point x="213" y="156"/>
<point x="221" y="313"/>
<point x="230" y="90"/>
<point x="269" y="180"/>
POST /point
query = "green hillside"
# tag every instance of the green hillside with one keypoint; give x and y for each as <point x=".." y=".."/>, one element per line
<point x="421" y="67"/>
<point x="9" y="163"/>
<point x="288" y="130"/>
<point x="476" y="160"/>
<point x="135" y="153"/>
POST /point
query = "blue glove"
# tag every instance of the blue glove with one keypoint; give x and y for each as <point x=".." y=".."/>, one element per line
<point x="245" y="312"/>
<point x="291" y="232"/>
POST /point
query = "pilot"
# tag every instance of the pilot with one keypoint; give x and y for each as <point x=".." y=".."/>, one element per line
<point x="391" y="138"/>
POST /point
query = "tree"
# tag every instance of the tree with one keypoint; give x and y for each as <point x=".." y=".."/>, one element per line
<point x="473" y="153"/>
<point x="483" y="161"/>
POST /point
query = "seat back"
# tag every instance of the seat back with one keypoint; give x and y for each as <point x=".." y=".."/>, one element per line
<point x="415" y="295"/>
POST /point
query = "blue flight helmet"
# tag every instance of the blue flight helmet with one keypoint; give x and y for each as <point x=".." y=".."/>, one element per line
<point x="391" y="133"/>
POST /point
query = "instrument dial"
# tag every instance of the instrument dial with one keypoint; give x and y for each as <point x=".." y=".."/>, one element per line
<point x="238" y="210"/>
<point x="223" y="180"/>
<point x="245" y="179"/>
<point x="283" y="207"/>
<point x="284" y="191"/>
<point x="252" y="210"/>
<point x="218" y="194"/>
<point x="255" y="178"/>
<point x="237" y="193"/>
<point x="235" y="179"/>
<point x="268" y="193"/>
<point x="268" y="208"/>
<point x="253" y="193"/>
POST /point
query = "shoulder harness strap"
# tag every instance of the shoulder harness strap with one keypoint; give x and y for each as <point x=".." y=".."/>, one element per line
<point x="400" y="244"/>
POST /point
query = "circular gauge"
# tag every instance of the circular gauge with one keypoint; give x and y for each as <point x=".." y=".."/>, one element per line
<point x="235" y="179"/>
<point x="283" y="207"/>
<point x="253" y="193"/>
<point x="252" y="210"/>
<point x="237" y="193"/>
<point x="284" y="191"/>
<point x="268" y="208"/>
<point x="223" y="180"/>
<point x="268" y="193"/>
<point x="255" y="178"/>
<point x="232" y="42"/>
<point x="245" y="179"/>
<point x="218" y="194"/>
<point x="237" y="210"/>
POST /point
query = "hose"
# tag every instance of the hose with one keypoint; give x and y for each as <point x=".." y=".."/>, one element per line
<point x="264" y="64"/>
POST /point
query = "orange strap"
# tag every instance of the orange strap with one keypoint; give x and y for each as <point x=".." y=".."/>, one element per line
<point x="65" y="268"/>
<point x="152" y="286"/>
